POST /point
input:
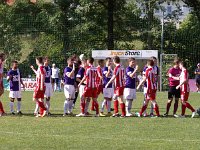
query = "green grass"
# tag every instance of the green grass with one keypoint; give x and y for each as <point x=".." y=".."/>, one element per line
<point x="57" y="132"/>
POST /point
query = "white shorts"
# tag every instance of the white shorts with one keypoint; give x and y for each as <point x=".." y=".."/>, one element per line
<point x="69" y="91"/>
<point x="145" y="90"/>
<point x="49" y="90"/>
<point x="129" y="93"/>
<point x="15" y="94"/>
<point x="81" y="90"/>
<point x="108" y="92"/>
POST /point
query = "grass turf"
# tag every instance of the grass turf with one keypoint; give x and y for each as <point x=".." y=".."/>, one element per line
<point x="57" y="132"/>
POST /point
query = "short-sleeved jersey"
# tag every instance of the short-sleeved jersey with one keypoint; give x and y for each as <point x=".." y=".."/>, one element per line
<point x="150" y="79"/>
<point x="184" y="76"/>
<point x="48" y="74"/>
<point x="68" y="80"/>
<point x="55" y="73"/>
<point x="130" y="82"/>
<point x="100" y="74"/>
<point x="80" y="73"/>
<point x="107" y="79"/>
<point x="91" y="77"/>
<point x="156" y="71"/>
<point x="176" y="73"/>
<point x="119" y="73"/>
<point x="197" y="76"/>
<point x="41" y="71"/>
<point x="15" y="81"/>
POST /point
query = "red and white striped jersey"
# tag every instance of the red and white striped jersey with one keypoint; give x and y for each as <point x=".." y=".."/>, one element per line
<point x="41" y="71"/>
<point x="91" y="77"/>
<point x="184" y="76"/>
<point x="100" y="74"/>
<point x="120" y="76"/>
<point x="151" y="80"/>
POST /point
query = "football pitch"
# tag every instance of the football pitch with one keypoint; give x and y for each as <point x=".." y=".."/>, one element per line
<point x="56" y="132"/>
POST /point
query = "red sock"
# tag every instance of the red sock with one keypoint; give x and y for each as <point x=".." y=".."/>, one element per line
<point x="92" y="107"/>
<point x="189" y="106"/>
<point x="183" y="110"/>
<point x="175" y="106"/>
<point x="144" y="107"/>
<point x="168" y="107"/>
<point x="122" y="105"/>
<point x="116" y="103"/>
<point x="157" y="110"/>
<point x="1" y="108"/>
<point x="42" y="107"/>
<point x="96" y="107"/>
<point x="82" y="107"/>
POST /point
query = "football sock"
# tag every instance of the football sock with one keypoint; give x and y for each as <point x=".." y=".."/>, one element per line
<point x="109" y="106"/>
<point x="42" y="107"/>
<point x="48" y="105"/>
<point x="87" y="103"/>
<point x="18" y="106"/>
<point x="92" y="107"/>
<point x="189" y="106"/>
<point x="1" y="108"/>
<point x="168" y="107"/>
<point x="36" y="107"/>
<point x="66" y="106"/>
<point x="175" y="106"/>
<point x="144" y="107"/>
<point x="157" y="110"/>
<point x="183" y="110"/>
<point x="116" y="103"/>
<point x="11" y="107"/>
<point x="152" y="108"/>
<point x="82" y="106"/>
<point x="96" y="107"/>
<point x="122" y="105"/>
<point x="71" y="105"/>
<point x="102" y="105"/>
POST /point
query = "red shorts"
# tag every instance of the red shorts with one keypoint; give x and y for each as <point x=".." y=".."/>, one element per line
<point x="151" y="95"/>
<point x="39" y="94"/>
<point x="90" y="92"/>
<point x="100" y="89"/>
<point x="185" y="96"/>
<point x="119" y="91"/>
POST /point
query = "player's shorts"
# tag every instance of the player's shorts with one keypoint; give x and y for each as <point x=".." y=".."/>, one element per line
<point x="119" y="91"/>
<point x="15" y="94"/>
<point x="90" y="92"/>
<point x="185" y="96"/>
<point x="81" y="90"/>
<point x="100" y="89"/>
<point x="69" y="91"/>
<point x="49" y="90"/>
<point x="151" y="95"/>
<point x="173" y="92"/>
<point x="198" y="81"/>
<point x="108" y="92"/>
<point x="55" y="80"/>
<point x="145" y="90"/>
<point x="39" y="94"/>
<point x="129" y="93"/>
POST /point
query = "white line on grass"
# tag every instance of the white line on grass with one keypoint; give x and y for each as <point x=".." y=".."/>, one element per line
<point x="104" y="138"/>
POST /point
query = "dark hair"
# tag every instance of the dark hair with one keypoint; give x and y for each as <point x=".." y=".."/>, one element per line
<point x="183" y="63"/>
<point x="100" y="61"/>
<point x="131" y="59"/>
<point x="176" y="61"/>
<point x="108" y="58"/>
<point x="70" y="59"/>
<point x="91" y="60"/>
<point x="150" y="62"/>
<point x="116" y="59"/>
<point x="46" y="58"/>
<point x="14" y="62"/>
<point x="154" y="58"/>
<point x="2" y="56"/>
<point x="40" y="59"/>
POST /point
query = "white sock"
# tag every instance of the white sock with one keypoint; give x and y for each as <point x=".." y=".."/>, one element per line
<point x="65" y="106"/>
<point x="103" y="105"/>
<point x="127" y="104"/>
<point x="11" y="107"/>
<point x="130" y="105"/>
<point x="144" y="102"/>
<point x="86" y="106"/>
<point x="18" y="106"/>
<point x="36" y="107"/>
<point x="109" y="105"/>
<point x="70" y="105"/>
<point x="48" y="106"/>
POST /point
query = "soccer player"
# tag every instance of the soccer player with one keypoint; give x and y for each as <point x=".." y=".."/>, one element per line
<point x="14" y="77"/>
<point x="151" y="88"/>
<point x="55" y="77"/>
<point x="109" y="91"/>
<point x="49" y="90"/>
<point x="197" y="77"/>
<point x="38" y="95"/>
<point x="79" y="77"/>
<point x="173" y="92"/>
<point x="185" y="89"/>
<point x="69" y="88"/>
<point x="90" y="90"/>
<point x="2" y="59"/>
<point x="130" y="85"/>
<point x="118" y="77"/>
